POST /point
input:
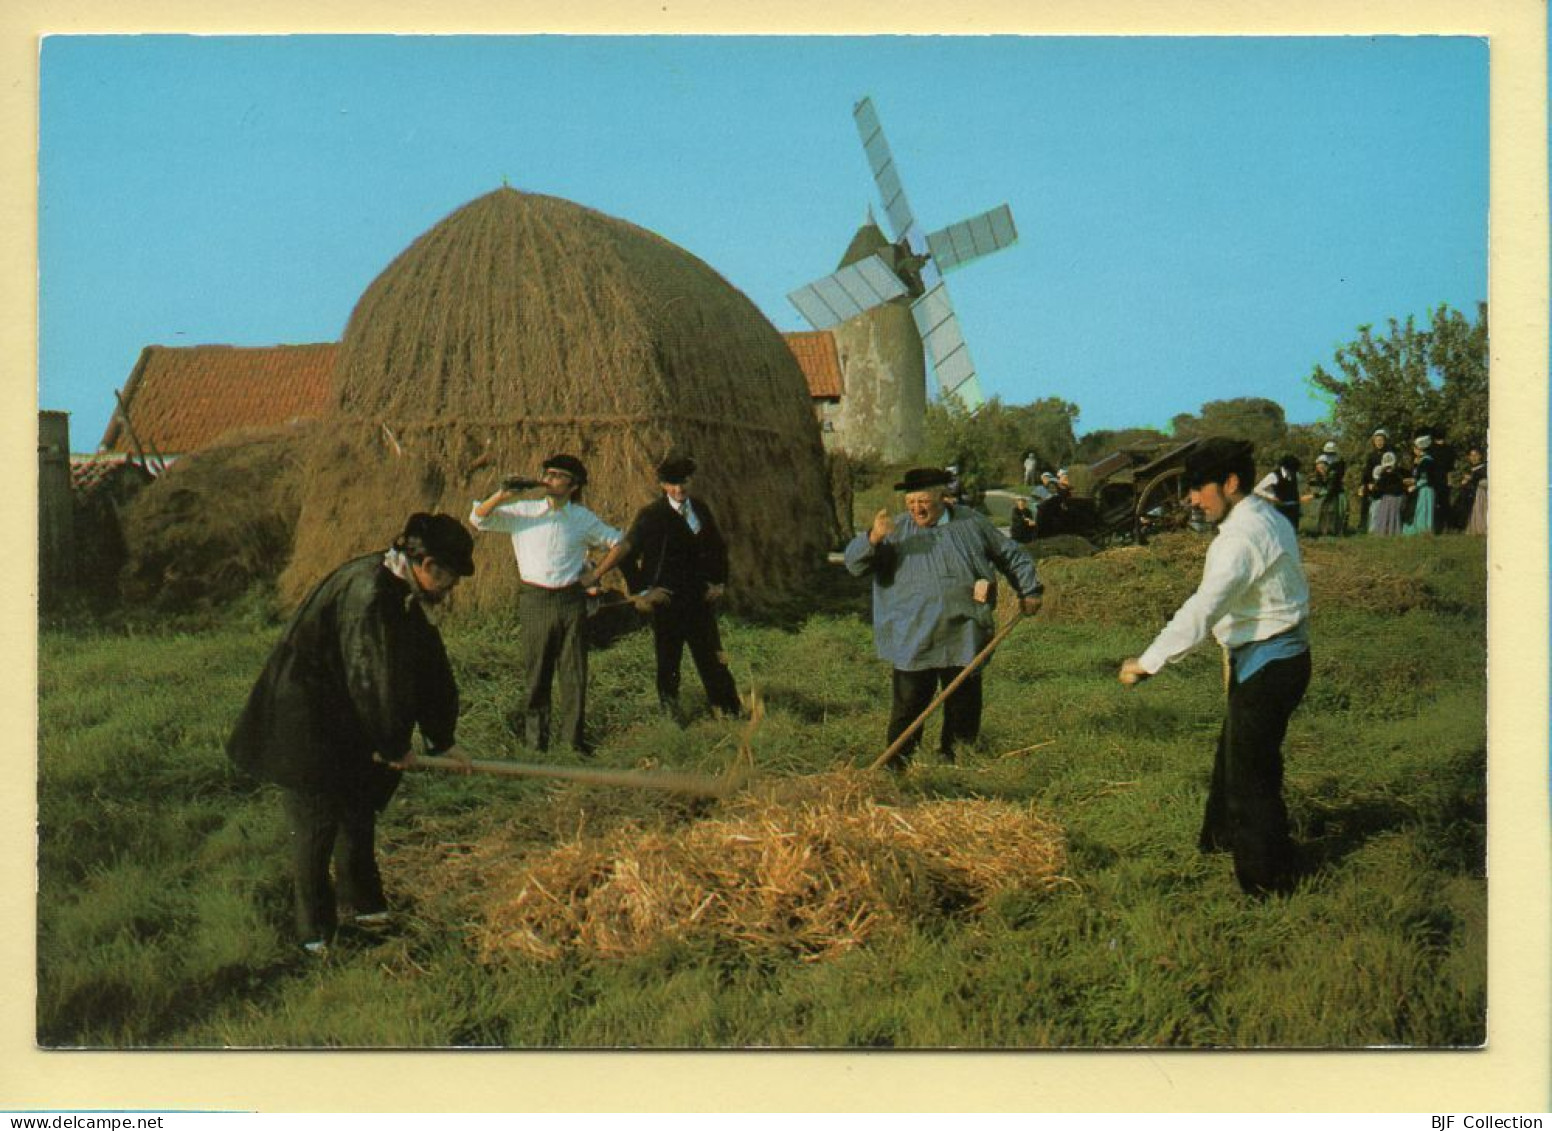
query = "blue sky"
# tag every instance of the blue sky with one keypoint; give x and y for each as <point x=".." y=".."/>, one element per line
<point x="1198" y="218"/>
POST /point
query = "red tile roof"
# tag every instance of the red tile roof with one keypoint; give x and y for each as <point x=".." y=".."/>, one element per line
<point x="89" y="474"/>
<point x="816" y="353"/>
<point x="184" y="398"/>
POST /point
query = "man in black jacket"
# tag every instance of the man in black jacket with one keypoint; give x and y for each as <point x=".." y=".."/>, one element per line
<point x="332" y="714"/>
<point x="675" y="562"/>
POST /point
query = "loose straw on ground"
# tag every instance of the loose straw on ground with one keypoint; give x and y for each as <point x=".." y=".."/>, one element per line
<point x="813" y="867"/>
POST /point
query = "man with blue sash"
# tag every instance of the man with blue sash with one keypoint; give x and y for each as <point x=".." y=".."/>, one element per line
<point x="1254" y="599"/>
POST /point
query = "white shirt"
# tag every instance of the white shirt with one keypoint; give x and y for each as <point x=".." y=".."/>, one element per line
<point x="1267" y="488"/>
<point x="1252" y="586"/>
<point x="551" y="543"/>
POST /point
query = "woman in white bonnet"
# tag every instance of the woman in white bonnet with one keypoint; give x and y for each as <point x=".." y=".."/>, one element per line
<point x="1422" y="486"/>
<point x="1388" y="491"/>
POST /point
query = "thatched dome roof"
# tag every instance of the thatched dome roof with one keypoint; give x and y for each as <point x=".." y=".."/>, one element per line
<point x="522" y="325"/>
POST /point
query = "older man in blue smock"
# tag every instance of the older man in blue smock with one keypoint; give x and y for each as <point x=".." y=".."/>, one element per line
<point x="934" y="571"/>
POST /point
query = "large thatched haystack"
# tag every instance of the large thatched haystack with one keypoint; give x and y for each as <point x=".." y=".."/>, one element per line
<point x="523" y="325"/>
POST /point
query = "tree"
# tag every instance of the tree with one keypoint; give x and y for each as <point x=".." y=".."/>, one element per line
<point x="1247" y="418"/>
<point x="989" y="447"/>
<point x="1100" y="443"/>
<point x="1047" y="427"/>
<point x="1411" y="381"/>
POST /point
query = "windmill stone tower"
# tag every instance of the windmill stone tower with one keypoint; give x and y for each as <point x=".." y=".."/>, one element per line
<point x="884" y="409"/>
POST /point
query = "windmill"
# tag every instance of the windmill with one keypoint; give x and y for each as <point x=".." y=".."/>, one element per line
<point x="908" y="268"/>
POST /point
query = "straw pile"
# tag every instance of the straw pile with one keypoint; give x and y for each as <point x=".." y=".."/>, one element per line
<point x="525" y="325"/>
<point x="812" y="873"/>
<point x="216" y="522"/>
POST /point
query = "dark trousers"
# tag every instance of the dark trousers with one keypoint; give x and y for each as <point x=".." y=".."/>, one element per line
<point x="344" y="828"/>
<point x="554" y="649"/>
<point x="913" y="692"/>
<point x="1245" y="810"/>
<point x="692" y="622"/>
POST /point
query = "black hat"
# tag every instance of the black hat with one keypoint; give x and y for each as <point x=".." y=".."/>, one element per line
<point x="1215" y="458"/>
<point x="675" y="469"/>
<point x="571" y="465"/>
<point x="920" y="478"/>
<point x="441" y="537"/>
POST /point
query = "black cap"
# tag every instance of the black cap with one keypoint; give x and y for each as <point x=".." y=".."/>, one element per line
<point x="1216" y="457"/>
<point x="675" y="469"/>
<point x="920" y="478"/>
<point x="440" y="537"/>
<point x="571" y="465"/>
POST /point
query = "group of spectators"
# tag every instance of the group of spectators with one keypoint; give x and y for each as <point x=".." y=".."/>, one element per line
<point x="1050" y="492"/>
<point x="1427" y="492"/>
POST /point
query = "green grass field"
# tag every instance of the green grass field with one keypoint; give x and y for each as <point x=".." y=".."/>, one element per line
<point x="164" y="907"/>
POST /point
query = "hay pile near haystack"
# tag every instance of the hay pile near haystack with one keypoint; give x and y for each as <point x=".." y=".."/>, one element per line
<point x="814" y="869"/>
<point x="1125" y="585"/>
<point x="525" y="325"/>
<point x="1146" y="584"/>
<point x="217" y="521"/>
<point x="1061" y="546"/>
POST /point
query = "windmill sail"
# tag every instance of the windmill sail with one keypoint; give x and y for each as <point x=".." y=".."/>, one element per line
<point x="836" y="298"/>
<point x="958" y="244"/>
<point x="940" y="334"/>
<point x="882" y="162"/>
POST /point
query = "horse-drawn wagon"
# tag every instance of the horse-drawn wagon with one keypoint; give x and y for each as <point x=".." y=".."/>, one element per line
<point x="1128" y="496"/>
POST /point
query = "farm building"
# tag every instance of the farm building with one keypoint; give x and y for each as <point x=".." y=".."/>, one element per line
<point x="182" y="399"/>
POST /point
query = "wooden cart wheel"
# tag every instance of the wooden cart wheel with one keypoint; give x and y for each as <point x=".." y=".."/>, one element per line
<point x="1164" y="504"/>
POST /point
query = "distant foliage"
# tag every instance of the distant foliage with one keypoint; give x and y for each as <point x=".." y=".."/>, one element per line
<point x="1261" y="421"/>
<point x="989" y="447"/>
<point x="1411" y="380"/>
<point x="1098" y="444"/>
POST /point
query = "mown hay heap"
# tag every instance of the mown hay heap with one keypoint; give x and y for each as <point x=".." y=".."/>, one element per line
<point x="217" y="521"/>
<point x="813" y="872"/>
<point x="524" y="325"/>
<point x="1146" y="584"/>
